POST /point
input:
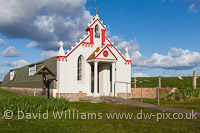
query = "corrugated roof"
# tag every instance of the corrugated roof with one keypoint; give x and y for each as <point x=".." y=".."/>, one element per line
<point x="22" y="78"/>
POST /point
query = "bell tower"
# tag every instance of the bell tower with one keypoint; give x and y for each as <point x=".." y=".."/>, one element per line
<point x="96" y="30"/>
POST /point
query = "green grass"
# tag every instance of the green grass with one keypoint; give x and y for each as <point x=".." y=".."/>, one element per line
<point x="188" y="105"/>
<point x="15" y="101"/>
<point x="101" y="125"/>
<point x="6" y="93"/>
<point x="31" y="104"/>
<point x="166" y="82"/>
<point x="185" y="95"/>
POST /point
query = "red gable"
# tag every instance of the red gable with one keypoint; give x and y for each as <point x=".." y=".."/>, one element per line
<point x="106" y="54"/>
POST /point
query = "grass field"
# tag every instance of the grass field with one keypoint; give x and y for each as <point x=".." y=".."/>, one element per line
<point x="166" y="82"/>
<point x="97" y="125"/>
<point x="188" y="105"/>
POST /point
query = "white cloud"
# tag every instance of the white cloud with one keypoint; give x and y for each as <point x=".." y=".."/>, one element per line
<point x="48" y="54"/>
<point x="44" y="21"/>
<point x="11" y="52"/>
<point x="31" y="45"/>
<point x="140" y="75"/>
<point x="170" y="73"/>
<point x="122" y="43"/>
<point x="163" y="1"/>
<point x="141" y="68"/>
<point x="15" y="64"/>
<point x="19" y="63"/>
<point x="192" y="8"/>
<point x="2" y="42"/>
<point x="3" y="74"/>
<point x="176" y="59"/>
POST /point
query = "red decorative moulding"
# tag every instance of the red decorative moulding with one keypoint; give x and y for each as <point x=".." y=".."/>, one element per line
<point x="61" y="58"/>
<point x="105" y="53"/>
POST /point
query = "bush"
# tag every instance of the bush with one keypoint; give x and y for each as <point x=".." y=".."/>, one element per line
<point x="30" y="104"/>
<point x="187" y="94"/>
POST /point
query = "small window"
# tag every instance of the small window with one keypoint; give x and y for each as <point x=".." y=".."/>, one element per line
<point x="80" y="68"/>
<point x="97" y="31"/>
<point x="12" y="74"/>
<point x="32" y="70"/>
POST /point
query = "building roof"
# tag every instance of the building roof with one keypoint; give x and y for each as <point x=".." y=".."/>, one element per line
<point x="22" y="78"/>
<point x="92" y="56"/>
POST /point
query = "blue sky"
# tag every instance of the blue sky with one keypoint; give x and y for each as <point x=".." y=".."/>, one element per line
<point x="163" y="35"/>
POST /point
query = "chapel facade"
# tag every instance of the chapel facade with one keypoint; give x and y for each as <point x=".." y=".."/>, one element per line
<point x="93" y="67"/>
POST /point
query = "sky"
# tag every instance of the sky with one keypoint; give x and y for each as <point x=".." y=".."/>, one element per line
<point x="163" y="36"/>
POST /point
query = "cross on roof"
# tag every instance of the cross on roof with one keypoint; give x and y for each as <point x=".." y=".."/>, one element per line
<point x="126" y="49"/>
<point x="96" y="8"/>
<point x="61" y="43"/>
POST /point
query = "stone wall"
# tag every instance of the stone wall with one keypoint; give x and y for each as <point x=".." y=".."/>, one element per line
<point x="123" y="95"/>
<point x="27" y="91"/>
<point x="150" y="93"/>
<point x="166" y="90"/>
<point x="72" y="97"/>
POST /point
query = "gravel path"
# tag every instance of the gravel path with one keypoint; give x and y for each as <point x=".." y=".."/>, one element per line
<point x="147" y="105"/>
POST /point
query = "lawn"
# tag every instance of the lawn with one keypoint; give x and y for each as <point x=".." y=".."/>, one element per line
<point x="97" y="125"/>
<point x="166" y="82"/>
<point x="187" y="105"/>
<point x="6" y="93"/>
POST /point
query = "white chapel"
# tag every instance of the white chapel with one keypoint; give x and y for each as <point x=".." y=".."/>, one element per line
<point x="94" y="67"/>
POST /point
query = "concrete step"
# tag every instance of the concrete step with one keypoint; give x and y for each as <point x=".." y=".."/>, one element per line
<point x="86" y="99"/>
<point x="91" y="99"/>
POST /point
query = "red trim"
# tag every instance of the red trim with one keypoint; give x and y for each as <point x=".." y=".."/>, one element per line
<point x="128" y="62"/>
<point x="104" y="59"/>
<point x="87" y="29"/>
<point x="116" y="49"/>
<point x="91" y="35"/>
<point x="80" y="91"/>
<point x="103" y="36"/>
<point x="87" y="44"/>
<point x="105" y="53"/>
<point x="61" y="58"/>
<point x="103" y="49"/>
<point x="112" y="52"/>
<point x="77" y="46"/>
<point x="99" y="22"/>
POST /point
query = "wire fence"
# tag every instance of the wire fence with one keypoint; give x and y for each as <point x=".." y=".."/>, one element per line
<point x="127" y="83"/>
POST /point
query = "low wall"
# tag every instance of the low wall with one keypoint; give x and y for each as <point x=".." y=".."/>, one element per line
<point x="27" y="91"/>
<point x="72" y="97"/>
<point x="124" y="95"/>
<point x="150" y="93"/>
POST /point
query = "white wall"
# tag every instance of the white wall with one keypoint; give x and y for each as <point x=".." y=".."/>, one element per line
<point x="67" y="71"/>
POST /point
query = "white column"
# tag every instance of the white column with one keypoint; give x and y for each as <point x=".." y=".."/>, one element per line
<point x="113" y="78"/>
<point x="104" y="79"/>
<point x="61" y="77"/>
<point x="90" y="82"/>
<point x="95" y="79"/>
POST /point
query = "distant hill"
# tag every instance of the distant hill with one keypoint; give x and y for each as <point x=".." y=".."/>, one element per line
<point x="166" y="82"/>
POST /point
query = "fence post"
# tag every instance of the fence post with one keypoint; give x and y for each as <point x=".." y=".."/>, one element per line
<point x="114" y="89"/>
<point x="135" y="82"/>
<point x="159" y="78"/>
<point x="158" y="96"/>
<point x="194" y="79"/>
<point x="141" y="94"/>
<point x="126" y="91"/>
